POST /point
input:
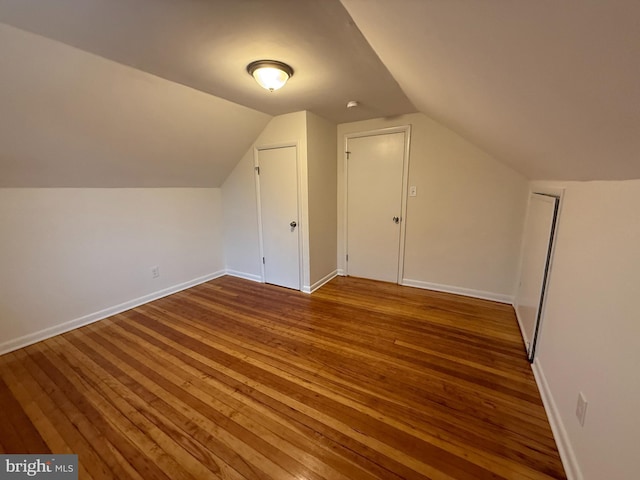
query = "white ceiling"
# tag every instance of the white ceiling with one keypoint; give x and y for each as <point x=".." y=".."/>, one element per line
<point x="207" y="45"/>
<point x="551" y="87"/>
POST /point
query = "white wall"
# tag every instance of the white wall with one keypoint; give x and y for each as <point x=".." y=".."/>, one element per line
<point x="464" y="227"/>
<point x="590" y="337"/>
<point x="240" y="216"/>
<point x="67" y="254"/>
<point x="73" y="119"/>
<point x="323" y="208"/>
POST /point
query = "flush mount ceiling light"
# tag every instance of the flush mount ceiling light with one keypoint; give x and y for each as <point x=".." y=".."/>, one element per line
<point x="270" y="74"/>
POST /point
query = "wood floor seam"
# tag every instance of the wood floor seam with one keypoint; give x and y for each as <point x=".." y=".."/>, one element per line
<point x="236" y="380"/>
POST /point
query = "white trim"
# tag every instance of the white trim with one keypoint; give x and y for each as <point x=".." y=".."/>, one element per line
<point x="321" y="282"/>
<point x="403" y="206"/>
<point x="256" y="175"/>
<point x="35" y="337"/>
<point x="378" y="131"/>
<point x="530" y="342"/>
<point x="535" y="188"/>
<point x="567" y="455"/>
<point x="247" y="276"/>
<point x="406" y="129"/>
<point x="544" y="190"/>
<point x="521" y="325"/>
<point x="341" y="272"/>
<point x="467" y="292"/>
<point x="302" y="217"/>
<point x="559" y="194"/>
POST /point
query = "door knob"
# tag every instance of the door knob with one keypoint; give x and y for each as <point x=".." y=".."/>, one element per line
<point x="396" y="219"/>
<point x="293" y="224"/>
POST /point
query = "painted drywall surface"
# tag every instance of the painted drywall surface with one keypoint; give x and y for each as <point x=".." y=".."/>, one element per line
<point x="520" y="79"/>
<point x="240" y="218"/>
<point x="323" y="208"/>
<point x="590" y="337"/>
<point x="241" y="233"/>
<point x="67" y="253"/>
<point x="464" y="226"/>
<point x="62" y="106"/>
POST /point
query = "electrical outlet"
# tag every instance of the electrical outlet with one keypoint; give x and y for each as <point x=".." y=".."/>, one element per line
<point x="155" y="272"/>
<point x="581" y="408"/>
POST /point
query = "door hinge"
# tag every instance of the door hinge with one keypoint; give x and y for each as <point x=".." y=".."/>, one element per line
<point x="347" y="257"/>
<point x="257" y="169"/>
<point x="263" y="260"/>
<point x="348" y="153"/>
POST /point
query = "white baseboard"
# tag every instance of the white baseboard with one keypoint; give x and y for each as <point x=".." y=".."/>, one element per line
<point x="522" y="330"/>
<point x="467" y="292"/>
<point x="341" y="273"/>
<point x="246" y="276"/>
<point x="319" y="283"/>
<point x="569" y="461"/>
<point x="11" y="345"/>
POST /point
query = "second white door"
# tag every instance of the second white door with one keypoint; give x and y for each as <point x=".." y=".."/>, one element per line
<point x="278" y="186"/>
<point x="375" y="168"/>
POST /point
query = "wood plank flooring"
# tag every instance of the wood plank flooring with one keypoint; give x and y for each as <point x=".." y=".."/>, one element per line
<point x="238" y="380"/>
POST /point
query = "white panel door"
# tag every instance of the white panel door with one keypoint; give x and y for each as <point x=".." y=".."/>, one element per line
<point x="374" y="205"/>
<point x="538" y="238"/>
<point x="278" y="184"/>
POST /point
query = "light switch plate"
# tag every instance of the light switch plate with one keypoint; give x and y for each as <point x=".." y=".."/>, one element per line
<point x="413" y="191"/>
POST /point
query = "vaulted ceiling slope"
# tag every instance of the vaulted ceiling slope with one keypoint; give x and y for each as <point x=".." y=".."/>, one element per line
<point x="550" y="87"/>
<point x="102" y="93"/>
<point x="130" y="93"/>
<point x="207" y="45"/>
<point x="69" y="118"/>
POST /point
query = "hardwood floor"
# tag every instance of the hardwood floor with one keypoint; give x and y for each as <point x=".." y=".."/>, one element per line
<point x="238" y="380"/>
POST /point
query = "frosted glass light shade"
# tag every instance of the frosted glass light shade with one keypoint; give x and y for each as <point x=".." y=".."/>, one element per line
<point x="270" y="74"/>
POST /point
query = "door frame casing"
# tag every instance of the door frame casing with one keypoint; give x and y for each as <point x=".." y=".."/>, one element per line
<point x="550" y="191"/>
<point x="299" y="206"/>
<point x="406" y="129"/>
